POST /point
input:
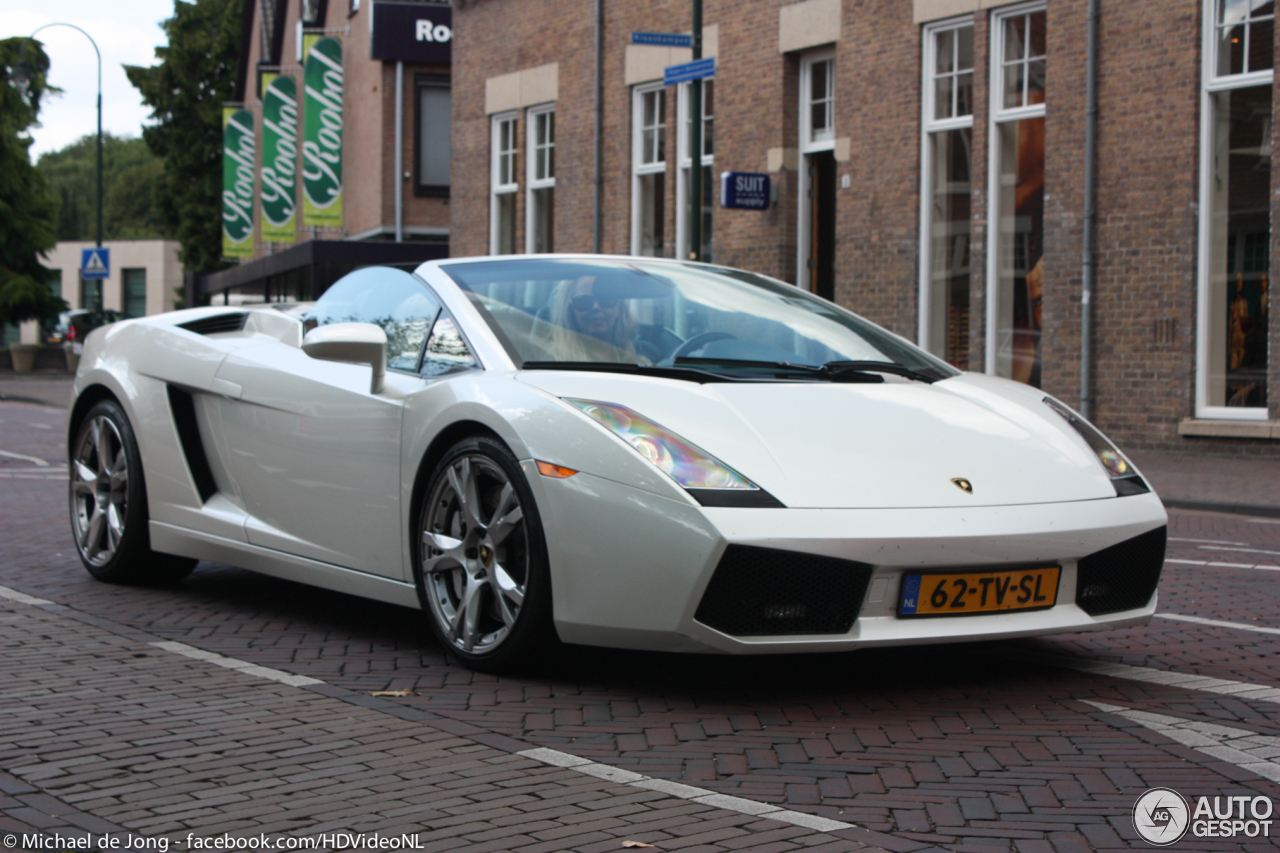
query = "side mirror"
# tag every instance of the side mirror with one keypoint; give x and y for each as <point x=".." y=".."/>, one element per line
<point x="353" y="343"/>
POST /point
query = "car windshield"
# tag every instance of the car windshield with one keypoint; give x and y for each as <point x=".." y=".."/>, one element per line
<point x="607" y="314"/>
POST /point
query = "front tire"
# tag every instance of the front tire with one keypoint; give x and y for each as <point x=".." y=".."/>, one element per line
<point x="108" y="498"/>
<point x="481" y="559"/>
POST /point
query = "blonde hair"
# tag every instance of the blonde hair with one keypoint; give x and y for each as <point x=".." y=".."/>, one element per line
<point x="570" y="343"/>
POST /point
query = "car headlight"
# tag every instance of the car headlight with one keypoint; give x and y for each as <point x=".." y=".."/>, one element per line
<point x="1123" y="476"/>
<point x="706" y="478"/>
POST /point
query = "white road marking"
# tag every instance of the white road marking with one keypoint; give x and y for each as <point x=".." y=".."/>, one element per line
<point x="236" y="664"/>
<point x="1243" y="550"/>
<point x="34" y="460"/>
<point x="21" y="597"/>
<point x="1210" y="541"/>
<point x="556" y="758"/>
<point x="1241" y="747"/>
<point x="1217" y="623"/>
<point x="1218" y="564"/>
<point x="1221" y="686"/>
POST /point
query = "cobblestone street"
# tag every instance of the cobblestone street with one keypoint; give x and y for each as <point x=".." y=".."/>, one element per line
<point x="241" y="704"/>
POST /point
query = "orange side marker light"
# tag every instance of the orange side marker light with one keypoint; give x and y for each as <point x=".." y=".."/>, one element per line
<point x="559" y="472"/>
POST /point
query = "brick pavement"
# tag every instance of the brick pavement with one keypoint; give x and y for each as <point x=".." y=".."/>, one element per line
<point x="104" y="733"/>
<point x="957" y="748"/>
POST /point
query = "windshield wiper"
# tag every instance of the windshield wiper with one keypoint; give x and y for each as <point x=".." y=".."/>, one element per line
<point x="836" y="368"/>
<point x="785" y="369"/>
<point x="688" y="374"/>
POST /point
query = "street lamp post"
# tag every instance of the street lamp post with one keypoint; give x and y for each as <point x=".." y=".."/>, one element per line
<point x="23" y="76"/>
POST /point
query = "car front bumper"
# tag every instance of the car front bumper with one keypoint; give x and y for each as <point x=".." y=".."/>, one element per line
<point x="630" y="568"/>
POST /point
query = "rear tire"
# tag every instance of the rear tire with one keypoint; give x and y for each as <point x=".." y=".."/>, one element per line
<point x="480" y="559"/>
<point x="108" y="498"/>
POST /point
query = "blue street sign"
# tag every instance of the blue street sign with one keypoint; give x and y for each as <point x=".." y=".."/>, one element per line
<point x="662" y="39"/>
<point x="687" y="71"/>
<point x="744" y="190"/>
<point x="95" y="263"/>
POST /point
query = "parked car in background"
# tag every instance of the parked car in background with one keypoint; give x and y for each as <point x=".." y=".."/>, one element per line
<point x="74" y="325"/>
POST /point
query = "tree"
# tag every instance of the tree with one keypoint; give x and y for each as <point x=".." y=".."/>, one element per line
<point x="131" y="174"/>
<point x="186" y="90"/>
<point x="26" y="206"/>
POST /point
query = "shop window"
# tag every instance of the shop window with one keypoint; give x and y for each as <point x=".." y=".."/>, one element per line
<point x="1015" y="269"/>
<point x="541" y="203"/>
<point x="1235" y="225"/>
<point x="649" y="171"/>
<point x="505" y="186"/>
<point x="135" y="292"/>
<point x="683" y="202"/>
<point x="946" y="191"/>
<point x="433" y="103"/>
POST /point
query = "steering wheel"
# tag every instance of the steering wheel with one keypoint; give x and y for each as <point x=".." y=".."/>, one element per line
<point x="699" y="341"/>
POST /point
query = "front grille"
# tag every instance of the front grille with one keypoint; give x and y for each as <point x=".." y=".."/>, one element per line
<point x="1122" y="577"/>
<point x="766" y="592"/>
<point x="217" y="324"/>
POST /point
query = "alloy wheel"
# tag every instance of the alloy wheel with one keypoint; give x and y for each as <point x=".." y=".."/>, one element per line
<point x="475" y="554"/>
<point x="99" y="491"/>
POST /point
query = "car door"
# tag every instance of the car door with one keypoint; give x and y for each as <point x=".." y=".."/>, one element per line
<point x="315" y="452"/>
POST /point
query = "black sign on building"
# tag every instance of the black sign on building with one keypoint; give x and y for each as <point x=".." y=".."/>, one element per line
<point x="412" y="32"/>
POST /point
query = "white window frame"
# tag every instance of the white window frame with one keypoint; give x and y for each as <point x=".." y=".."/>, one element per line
<point x="496" y="186"/>
<point x="929" y="126"/>
<point x="810" y="146"/>
<point x="998" y="115"/>
<point x="638" y="167"/>
<point x="685" y="163"/>
<point x="533" y="182"/>
<point x="1212" y="83"/>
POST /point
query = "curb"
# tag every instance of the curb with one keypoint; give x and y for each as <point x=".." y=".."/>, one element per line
<point x="1217" y="506"/>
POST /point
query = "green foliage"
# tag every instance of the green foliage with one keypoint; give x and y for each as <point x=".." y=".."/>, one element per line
<point x="131" y="175"/>
<point x="26" y="206"/>
<point x="186" y="90"/>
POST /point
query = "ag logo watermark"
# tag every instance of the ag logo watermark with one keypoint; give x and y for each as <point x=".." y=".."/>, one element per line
<point x="1162" y="816"/>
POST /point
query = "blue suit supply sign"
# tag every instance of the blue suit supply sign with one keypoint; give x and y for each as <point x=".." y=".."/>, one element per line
<point x="744" y="190"/>
<point x="95" y="263"/>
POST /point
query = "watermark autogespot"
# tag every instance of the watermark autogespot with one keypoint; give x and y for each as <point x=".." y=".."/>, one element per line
<point x="1162" y="817"/>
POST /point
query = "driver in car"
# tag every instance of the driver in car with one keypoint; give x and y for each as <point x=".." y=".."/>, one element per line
<point x="591" y="322"/>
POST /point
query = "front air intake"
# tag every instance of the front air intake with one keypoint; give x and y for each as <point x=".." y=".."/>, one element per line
<point x="760" y="592"/>
<point x="1122" y="577"/>
<point x="217" y="324"/>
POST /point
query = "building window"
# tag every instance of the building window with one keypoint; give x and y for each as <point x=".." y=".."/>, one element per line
<point x="91" y="294"/>
<point x="135" y="292"/>
<point x="1235" y="223"/>
<point x="434" y="102"/>
<point x="683" y="201"/>
<point x="821" y="100"/>
<point x="946" y="191"/>
<point x="541" y="204"/>
<point x="649" y="171"/>
<point x="505" y="186"/>
<point x="1015" y="264"/>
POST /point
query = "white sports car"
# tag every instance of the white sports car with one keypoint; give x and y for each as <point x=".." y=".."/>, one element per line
<point x="622" y="452"/>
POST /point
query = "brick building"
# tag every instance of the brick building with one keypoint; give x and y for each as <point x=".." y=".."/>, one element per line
<point x="928" y="160"/>
<point x="394" y="205"/>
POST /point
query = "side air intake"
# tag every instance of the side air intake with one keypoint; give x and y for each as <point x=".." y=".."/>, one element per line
<point x="217" y="324"/>
<point x="768" y="592"/>
<point x="1122" y="577"/>
<point x="184" y="418"/>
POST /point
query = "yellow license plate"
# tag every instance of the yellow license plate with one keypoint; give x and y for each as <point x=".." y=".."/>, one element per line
<point x="956" y="593"/>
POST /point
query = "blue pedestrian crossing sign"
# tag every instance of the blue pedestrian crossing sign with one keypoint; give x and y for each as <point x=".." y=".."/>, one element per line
<point x="95" y="263"/>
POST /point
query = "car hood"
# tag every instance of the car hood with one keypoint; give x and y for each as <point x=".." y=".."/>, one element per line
<point x="844" y="445"/>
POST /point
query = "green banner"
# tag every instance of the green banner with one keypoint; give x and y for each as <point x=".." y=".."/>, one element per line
<point x="322" y="135"/>
<point x="237" y="183"/>
<point x="280" y="161"/>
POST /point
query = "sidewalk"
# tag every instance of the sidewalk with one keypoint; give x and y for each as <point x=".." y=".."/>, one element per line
<point x="1245" y="485"/>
